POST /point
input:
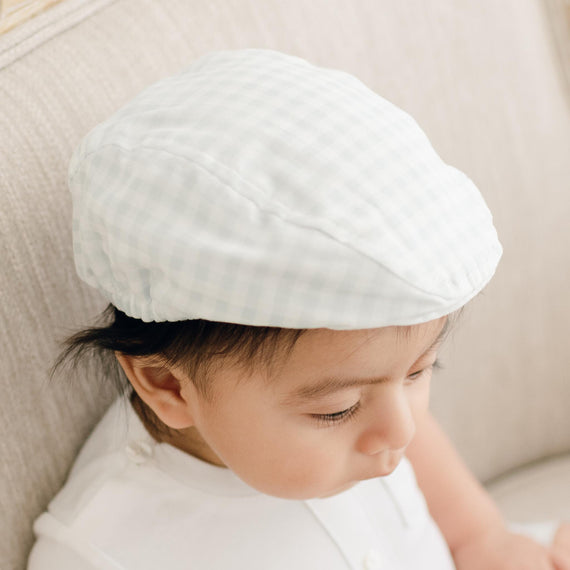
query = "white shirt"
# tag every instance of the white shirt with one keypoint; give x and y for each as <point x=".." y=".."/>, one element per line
<point x="133" y="504"/>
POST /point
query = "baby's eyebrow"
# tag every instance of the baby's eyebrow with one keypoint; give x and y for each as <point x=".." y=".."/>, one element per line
<point x="329" y="385"/>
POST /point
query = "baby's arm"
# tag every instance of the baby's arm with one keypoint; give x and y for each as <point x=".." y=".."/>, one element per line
<point x="471" y="523"/>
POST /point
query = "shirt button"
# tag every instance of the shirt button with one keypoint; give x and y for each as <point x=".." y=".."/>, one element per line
<point x="138" y="451"/>
<point x="372" y="560"/>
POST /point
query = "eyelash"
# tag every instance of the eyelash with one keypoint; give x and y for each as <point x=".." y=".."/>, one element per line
<point x="345" y="415"/>
<point x="337" y="417"/>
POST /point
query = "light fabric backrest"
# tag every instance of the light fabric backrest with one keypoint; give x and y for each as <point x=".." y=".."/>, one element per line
<point x="482" y="79"/>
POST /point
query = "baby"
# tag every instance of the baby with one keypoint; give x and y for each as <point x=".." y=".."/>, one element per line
<point x="284" y="253"/>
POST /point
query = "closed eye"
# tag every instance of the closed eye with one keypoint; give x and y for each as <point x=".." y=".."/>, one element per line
<point x="415" y="376"/>
<point x="345" y="415"/>
<point x="337" y="417"/>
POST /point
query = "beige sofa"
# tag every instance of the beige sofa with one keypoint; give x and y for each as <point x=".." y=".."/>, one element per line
<point x="485" y="81"/>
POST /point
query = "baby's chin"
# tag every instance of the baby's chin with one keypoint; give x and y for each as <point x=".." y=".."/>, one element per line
<point x="302" y="494"/>
<point x="351" y="484"/>
<point x="307" y="495"/>
<point x="338" y="490"/>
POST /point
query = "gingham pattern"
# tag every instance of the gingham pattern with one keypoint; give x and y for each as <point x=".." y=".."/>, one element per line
<point x="256" y="188"/>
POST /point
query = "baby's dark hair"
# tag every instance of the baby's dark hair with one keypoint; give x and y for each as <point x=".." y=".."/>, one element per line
<point x="195" y="345"/>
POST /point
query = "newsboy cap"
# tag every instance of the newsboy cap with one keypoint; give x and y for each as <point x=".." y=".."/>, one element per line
<point x="256" y="188"/>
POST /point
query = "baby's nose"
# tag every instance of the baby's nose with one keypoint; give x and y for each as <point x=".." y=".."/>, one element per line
<point x="391" y="425"/>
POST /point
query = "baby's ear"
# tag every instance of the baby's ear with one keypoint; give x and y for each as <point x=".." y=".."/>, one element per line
<point x="159" y="388"/>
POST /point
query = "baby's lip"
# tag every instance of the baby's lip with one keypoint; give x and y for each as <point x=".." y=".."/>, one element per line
<point x="379" y="474"/>
<point x="389" y="468"/>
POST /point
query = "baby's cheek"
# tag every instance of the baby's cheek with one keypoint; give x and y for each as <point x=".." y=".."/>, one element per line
<point x="284" y="478"/>
<point x="305" y="481"/>
<point x="305" y="471"/>
<point x="419" y="399"/>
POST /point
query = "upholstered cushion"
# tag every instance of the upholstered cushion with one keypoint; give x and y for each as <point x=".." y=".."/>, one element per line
<point x="540" y="491"/>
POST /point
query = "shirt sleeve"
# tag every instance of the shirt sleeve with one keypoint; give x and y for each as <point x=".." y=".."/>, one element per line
<point x="59" y="546"/>
<point x="541" y="531"/>
<point x="48" y="554"/>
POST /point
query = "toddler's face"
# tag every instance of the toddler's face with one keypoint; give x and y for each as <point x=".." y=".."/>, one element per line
<point x="296" y="435"/>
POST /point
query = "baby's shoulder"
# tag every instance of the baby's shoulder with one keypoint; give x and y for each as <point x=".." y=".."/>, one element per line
<point x="143" y="504"/>
<point x="140" y="517"/>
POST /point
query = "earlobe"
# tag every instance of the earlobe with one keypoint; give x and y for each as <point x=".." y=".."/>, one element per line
<point x="159" y="389"/>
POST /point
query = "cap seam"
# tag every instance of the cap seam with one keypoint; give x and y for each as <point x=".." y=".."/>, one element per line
<point x="261" y="208"/>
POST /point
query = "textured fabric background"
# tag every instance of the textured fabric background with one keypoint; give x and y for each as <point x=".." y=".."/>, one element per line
<point x="483" y="79"/>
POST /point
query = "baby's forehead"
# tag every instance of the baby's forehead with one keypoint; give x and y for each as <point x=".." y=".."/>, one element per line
<point x="403" y="333"/>
<point x="323" y="346"/>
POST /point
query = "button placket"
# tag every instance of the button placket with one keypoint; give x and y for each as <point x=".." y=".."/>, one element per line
<point x="372" y="560"/>
<point x="139" y="451"/>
